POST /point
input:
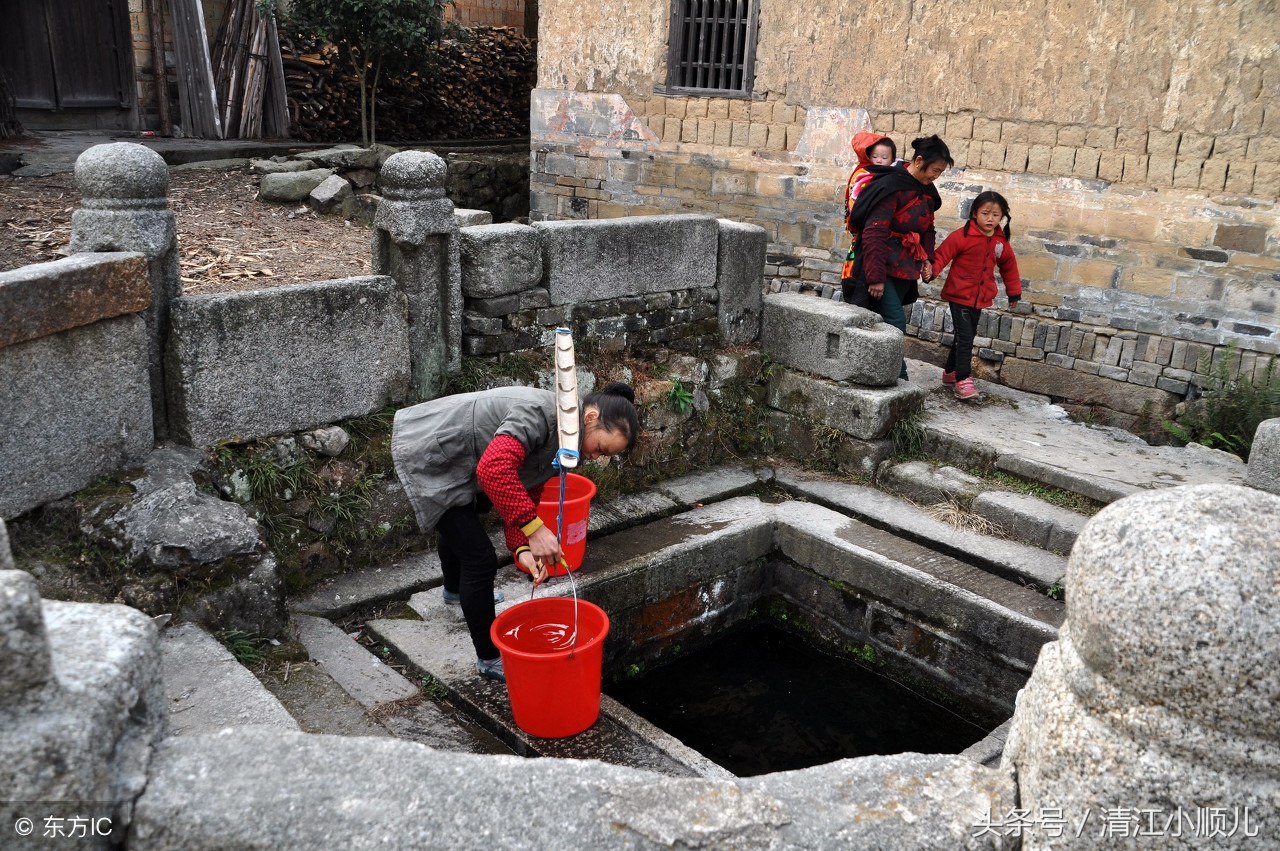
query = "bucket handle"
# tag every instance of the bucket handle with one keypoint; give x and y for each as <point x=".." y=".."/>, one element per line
<point x="570" y="460"/>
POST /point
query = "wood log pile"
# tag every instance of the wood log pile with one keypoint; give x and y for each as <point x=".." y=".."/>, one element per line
<point x="473" y="88"/>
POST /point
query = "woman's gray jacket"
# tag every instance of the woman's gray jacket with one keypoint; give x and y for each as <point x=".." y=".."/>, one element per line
<point x="436" y="445"/>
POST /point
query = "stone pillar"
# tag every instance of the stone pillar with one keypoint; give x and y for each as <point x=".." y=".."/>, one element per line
<point x="740" y="280"/>
<point x="82" y="707"/>
<point x="1263" y="471"/>
<point x="1155" y="710"/>
<point x="416" y="242"/>
<point x="125" y="208"/>
<point x="24" y="645"/>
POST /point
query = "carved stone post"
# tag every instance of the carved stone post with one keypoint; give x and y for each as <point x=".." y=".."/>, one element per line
<point x="415" y="241"/>
<point x="1155" y="710"/>
<point x="126" y="208"/>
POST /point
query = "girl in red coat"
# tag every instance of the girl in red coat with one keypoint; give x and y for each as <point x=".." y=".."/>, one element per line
<point x="974" y="251"/>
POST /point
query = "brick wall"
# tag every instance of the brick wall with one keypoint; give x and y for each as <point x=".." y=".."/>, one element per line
<point x="1120" y="250"/>
<point x="488" y="13"/>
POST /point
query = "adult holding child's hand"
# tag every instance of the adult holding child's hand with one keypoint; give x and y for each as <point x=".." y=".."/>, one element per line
<point x="894" y="245"/>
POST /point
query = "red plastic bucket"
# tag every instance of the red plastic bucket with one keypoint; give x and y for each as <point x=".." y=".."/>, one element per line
<point x="578" y="491"/>
<point x="554" y="685"/>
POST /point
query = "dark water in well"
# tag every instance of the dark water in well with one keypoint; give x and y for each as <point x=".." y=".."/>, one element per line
<point x="760" y="700"/>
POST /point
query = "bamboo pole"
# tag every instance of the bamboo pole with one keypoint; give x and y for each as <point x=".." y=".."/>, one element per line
<point x="155" y="12"/>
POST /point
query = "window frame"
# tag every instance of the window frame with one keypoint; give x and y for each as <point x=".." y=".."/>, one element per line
<point x="676" y="52"/>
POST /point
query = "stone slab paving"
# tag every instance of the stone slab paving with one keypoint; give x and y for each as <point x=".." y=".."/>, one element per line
<point x="442" y="727"/>
<point x="208" y="690"/>
<point x="1029" y="519"/>
<point x="361" y="674"/>
<point x="620" y="512"/>
<point x="320" y="705"/>
<point x="341" y="595"/>
<point x="1007" y="559"/>
<point x="439" y="647"/>
<point x="1030" y="438"/>
<point x="230" y="164"/>
<point x="714" y="485"/>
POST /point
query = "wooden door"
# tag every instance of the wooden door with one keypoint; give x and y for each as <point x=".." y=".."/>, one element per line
<point x="67" y="54"/>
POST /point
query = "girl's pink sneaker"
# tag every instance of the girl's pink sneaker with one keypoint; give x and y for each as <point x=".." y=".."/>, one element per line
<point x="948" y="378"/>
<point x="966" y="390"/>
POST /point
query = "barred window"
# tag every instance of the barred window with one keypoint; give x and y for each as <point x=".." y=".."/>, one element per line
<point x="712" y="47"/>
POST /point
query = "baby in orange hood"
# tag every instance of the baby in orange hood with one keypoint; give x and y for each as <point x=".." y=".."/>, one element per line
<point x="872" y="149"/>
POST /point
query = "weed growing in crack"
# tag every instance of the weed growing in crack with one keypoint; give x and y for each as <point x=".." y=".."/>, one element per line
<point x="908" y="436"/>
<point x="247" y="647"/>
<point x="679" y="398"/>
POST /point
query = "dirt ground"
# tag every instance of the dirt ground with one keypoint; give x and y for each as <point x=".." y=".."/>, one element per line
<point x="228" y="240"/>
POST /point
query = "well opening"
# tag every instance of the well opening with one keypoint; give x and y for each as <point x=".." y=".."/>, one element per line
<point x="957" y="637"/>
<point x="944" y="646"/>
<point x="760" y="698"/>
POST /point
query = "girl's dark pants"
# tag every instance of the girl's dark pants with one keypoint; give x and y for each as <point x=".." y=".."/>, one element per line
<point x="469" y="564"/>
<point x="964" y="321"/>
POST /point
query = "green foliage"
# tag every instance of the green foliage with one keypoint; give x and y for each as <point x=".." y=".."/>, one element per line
<point x="1056" y="591"/>
<point x="373" y="37"/>
<point x="768" y="367"/>
<point x="826" y="441"/>
<point x="1231" y="409"/>
<point x="863" y="653"/>
<point x="1056" y="496"/>
<point x="435" y="689"/>
<point x="736" y="419"/>
<point x="908" y="436"/>
<point x="247" y="647"/>
<point x="370" y="428"/>
<point x="482" y="373"/>
<point x="313" y="510"/>
<point x="679" y="397"/>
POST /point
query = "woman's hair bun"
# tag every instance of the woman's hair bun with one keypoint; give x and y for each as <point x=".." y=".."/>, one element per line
<point x="617" y="388"/>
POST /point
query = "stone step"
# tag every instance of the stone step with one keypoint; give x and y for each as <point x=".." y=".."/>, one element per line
<point x="339" y="596"/>
<point x="1027" y="436"/>
<point x="439" y="647"/>
<point x="1021" y="517"/>
<point x="1031" y="519"/>
<point x="318" y="703"/>
<point x="1007" y="559"/>
<point x="209" y="690"/>
<point x="361" y="674"/>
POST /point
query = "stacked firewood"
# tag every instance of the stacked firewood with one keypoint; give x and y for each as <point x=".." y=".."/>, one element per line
<point x="472" y="88"/>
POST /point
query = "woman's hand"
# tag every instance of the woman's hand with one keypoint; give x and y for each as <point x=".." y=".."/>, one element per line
<point x="545" y="547"/>
<point x="876" y="290"/>
<point x="926" y="271"/>
<point x="529" y="563"/>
